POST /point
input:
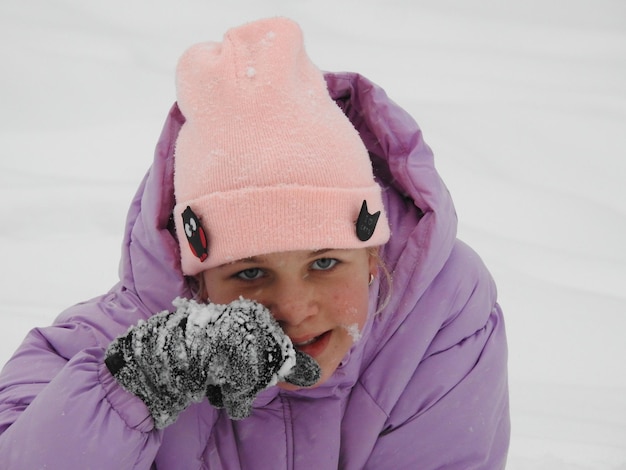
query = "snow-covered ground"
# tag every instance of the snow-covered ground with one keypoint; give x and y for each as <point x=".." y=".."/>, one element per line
<point x="524" y="104"/>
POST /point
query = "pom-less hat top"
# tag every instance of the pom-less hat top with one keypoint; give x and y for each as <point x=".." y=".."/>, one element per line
<point x="266" y="161"/>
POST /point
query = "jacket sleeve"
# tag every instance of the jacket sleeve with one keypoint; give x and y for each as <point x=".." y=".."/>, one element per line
<point x="61" y="408"/>
<point x="454" y="411"/>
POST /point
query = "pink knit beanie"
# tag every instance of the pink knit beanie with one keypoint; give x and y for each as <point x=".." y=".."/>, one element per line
<point x="266" y="161"/>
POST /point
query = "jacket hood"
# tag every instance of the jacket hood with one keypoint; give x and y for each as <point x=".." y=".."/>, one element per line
<point x="150" y="264"/>
<point x="419" y="208"/>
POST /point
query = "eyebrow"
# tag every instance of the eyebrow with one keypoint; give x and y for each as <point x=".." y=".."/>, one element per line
<point x="257" y="259"/>
<point x="320" y="252"/>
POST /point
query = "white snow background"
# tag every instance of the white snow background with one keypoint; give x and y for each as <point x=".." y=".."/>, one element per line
<point x="523" y="103"/>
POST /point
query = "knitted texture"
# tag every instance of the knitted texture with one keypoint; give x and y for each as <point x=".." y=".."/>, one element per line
<point x="266" y="159"/>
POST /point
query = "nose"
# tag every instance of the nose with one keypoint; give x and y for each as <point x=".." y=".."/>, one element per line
<point x="292" y="302"/>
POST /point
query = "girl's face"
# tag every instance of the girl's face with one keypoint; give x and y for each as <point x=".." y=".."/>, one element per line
<point x="319" y="298"/>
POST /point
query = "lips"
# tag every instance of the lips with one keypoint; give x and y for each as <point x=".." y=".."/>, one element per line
<point x="306" y="343"/>
<point x="313" y="346"/>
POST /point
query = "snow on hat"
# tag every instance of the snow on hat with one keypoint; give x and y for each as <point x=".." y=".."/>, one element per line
<point x="266" y="161"/>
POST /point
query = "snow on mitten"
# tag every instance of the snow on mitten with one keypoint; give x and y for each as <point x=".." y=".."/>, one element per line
<point x="153" y="362"/>
<point x="251" y="353"/>
<point x="225" y="352"/>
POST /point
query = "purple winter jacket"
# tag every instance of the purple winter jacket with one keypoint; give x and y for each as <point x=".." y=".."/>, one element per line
<point x="424" y="388"/>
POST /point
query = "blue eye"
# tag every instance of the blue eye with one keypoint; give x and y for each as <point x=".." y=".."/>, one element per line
<point x="250" y="274"/>
<point x="324" y="264"/>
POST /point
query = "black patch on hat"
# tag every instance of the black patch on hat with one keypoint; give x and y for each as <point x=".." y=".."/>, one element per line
<point x="196" y="236"/>
<point x="366" y="223"/>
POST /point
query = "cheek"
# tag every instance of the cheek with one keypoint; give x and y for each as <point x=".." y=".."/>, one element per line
<point x="218" y="290"/>
<point x="350" y="307"/>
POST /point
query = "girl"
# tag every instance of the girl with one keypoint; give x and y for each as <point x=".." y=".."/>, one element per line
<point x="292" y="293"/>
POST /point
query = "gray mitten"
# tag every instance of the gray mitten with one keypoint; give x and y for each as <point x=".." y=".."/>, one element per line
<point x="228" y="353"/>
